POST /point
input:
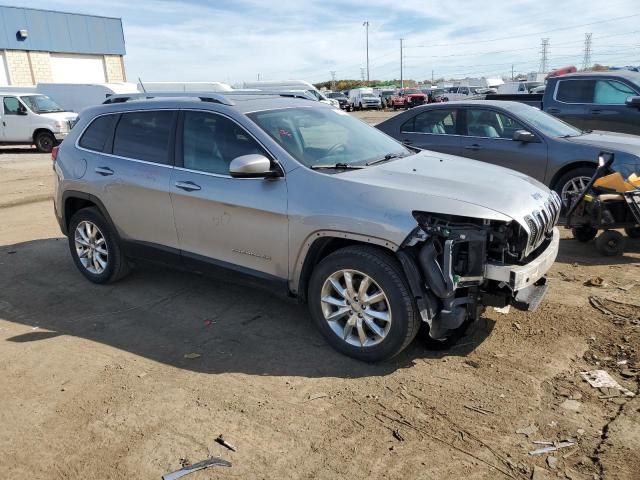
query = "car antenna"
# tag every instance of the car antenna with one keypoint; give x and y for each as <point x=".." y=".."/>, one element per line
<point x="144" y="90"/>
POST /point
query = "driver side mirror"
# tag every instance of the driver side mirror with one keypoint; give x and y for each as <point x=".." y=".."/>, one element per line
<point x="633" y="102"/>
<point x="605" y="159"/>
<point x="524" y="136"/>
<point x="251" y="166"/>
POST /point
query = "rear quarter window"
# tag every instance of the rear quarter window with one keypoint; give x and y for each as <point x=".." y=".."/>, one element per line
<point x="98" y="132"/>
<point x="145" y="136"/>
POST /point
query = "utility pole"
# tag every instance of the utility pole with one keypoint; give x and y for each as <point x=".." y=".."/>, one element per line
<point x="333" y="80"/>
<point x="362" y="73"/>
<point x="544" y="56"/>
<point x="366" y="25"/>
<point x="512" y="72"/>
<point x="401" y="78"/>
<point x="586" y="61"/>
<point x="258" y="77"/>
<point x="432" y="77"/>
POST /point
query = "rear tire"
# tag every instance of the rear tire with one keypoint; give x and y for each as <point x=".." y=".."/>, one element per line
<point x="584" y="234"/>
<point x="610" y="243"/>
<point x="632" y="232"/>
<point x="45" y="141"/>
<point x="387" y="282"/>
<point x="95" y="248"/>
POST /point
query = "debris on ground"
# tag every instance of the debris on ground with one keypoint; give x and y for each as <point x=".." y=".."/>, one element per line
<point x="552" y="462"/>
<point x="626" y="288"/>
<point x="601" y="379"/>
<point x="220" y="439"/>
<point x="571" y="405"/>
<point x="540" y="473"/>
<point x="398" y="436"/>
<point x="186" y="470"/>
<point x="595" y="282"/>
<point x="481" y="410"/>
<point x="554" y="447"/>
<point x="528" y="431"/>
<point x="629" y="373"/>
<point x="503" y="310"/>
<point x="192" y="355"/>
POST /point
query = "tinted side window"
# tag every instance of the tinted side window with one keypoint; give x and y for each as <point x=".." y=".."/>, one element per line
<point x="575" y="91"/>
<point x="440" y="121"/>
<point x="144" y="136"/>
<point x="99" y="131"/>
<point x="211" y="141"/>
<point x="611" y="92"/>
<point x="11" y="106"/>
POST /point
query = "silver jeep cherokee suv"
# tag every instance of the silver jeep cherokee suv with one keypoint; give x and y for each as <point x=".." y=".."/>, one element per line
<point x="378" y="238"/>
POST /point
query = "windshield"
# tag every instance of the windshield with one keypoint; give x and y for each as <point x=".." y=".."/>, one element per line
<point x="368" y="95"/>
<point x="41" y="104"/>
<point x="544" y="122"/>
<point x="322" y="136"/>
<point x="411" y="90"/>
<point x="336" y="95"/>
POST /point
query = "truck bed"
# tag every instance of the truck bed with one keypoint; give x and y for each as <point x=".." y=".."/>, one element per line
<point x="533" y="99"/>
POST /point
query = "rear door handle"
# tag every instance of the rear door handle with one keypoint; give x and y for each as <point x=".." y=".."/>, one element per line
<point x="104" y="171"/>
<point x="596" y="111"/>
<point x="475" y="146"/>
<point x="188" y="186"/>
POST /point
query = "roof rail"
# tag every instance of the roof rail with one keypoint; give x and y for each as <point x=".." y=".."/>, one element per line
<point x="279" y="93"/>
<point x="203" y="96"/>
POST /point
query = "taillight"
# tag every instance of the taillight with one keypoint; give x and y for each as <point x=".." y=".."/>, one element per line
<point x="54" y="153"/>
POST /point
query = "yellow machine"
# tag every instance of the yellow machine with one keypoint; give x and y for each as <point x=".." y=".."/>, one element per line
<point x="610" y="201"/>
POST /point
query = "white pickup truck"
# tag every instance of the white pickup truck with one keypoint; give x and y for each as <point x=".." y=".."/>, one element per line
<point x="33" y="119"/>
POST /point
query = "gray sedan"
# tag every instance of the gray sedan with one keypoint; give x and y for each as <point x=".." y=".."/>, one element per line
<point x="515" y="136"/>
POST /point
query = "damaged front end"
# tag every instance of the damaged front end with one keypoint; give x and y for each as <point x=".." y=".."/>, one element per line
<point x="457" y="266"/>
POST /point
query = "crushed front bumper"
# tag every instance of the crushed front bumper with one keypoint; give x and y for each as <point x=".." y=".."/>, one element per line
<point x="519" y="277"/>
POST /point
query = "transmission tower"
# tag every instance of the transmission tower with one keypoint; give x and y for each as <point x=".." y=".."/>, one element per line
<point x="333" y="80"/>
<point x="544" y="56"/>
<point x="363" y="73"/>
<point x="586" y="61"/>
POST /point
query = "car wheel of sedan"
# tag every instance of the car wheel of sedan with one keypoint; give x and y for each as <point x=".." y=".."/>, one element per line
<point x="95" y="248"/>
<point x="572" y="183"/>
<point x="360" y="301"/>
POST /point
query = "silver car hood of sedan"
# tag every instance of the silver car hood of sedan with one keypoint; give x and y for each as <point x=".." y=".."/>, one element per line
<point x="438" y="183"/>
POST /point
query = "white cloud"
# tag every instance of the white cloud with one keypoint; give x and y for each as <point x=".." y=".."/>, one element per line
<point x="232" y="41"/>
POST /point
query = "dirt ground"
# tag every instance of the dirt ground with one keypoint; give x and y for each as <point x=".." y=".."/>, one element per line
<point x="96" y="385"/>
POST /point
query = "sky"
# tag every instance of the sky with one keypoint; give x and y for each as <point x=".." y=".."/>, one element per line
<point x="240" y="40"/>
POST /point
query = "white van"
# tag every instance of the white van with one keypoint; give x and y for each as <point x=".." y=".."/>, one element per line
<point x="513" y="88"/>
<point x="364" y="98"/>
<point x="33" y="119"/>
<point x="76" y="96"/>
<point x="144" y="87"/>
<point x="291" y="86"/>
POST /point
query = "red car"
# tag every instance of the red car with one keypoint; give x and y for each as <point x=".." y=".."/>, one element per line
<point x="407" y="98"/>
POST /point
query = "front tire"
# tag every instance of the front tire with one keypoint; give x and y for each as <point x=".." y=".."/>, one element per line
<point x="610" y="243"/>
<point x="95" y="248"/>
<point x="360" y="301"/>
<point x="572" y="183"/>
<point x="45" y="141"/>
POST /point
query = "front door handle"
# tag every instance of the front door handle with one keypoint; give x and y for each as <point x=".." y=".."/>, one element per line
<point x="475" y="146"/>
<point x="596" y="111"/>
<point x="104" y="171"/>
<point x="188" y="186"/>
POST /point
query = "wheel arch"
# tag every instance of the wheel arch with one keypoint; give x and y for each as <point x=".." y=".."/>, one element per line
<point x="40" y="130"/>
<point x="73" y="201"/>
<point x="321" y="244"/>
<point x="567" y="168"/>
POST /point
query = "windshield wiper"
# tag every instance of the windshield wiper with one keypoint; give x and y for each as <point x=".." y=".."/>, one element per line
<point x="337" y="166"/>
<point x="386" y="158"/>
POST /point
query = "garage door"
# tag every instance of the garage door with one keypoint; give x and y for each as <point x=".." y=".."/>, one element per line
<point x="4" y="78"/>
<point x="77" y="69"/>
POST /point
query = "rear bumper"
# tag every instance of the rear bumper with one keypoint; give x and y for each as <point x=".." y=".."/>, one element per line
<point x="519" y="277"/>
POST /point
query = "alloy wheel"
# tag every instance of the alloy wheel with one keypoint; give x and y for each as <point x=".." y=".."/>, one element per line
<point x="356" y="308"/>
<point x="572" y="188"/>
<point x="91" y="247"/>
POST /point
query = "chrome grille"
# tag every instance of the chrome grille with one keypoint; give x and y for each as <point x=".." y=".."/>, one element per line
<point x="541" y="222"/>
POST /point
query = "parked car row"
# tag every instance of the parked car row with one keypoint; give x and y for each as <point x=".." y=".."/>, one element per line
<point x="380" y="239"/>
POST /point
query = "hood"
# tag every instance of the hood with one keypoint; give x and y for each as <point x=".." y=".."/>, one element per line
<point x="60" y="115"/>
<point x="441" y="183"/>
<point x="610" y="141"/>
